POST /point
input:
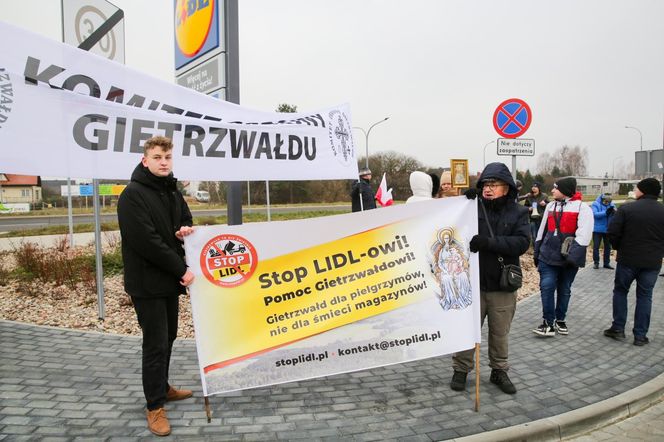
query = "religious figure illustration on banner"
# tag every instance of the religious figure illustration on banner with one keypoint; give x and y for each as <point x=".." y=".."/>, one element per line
<point x="449" y="262"/>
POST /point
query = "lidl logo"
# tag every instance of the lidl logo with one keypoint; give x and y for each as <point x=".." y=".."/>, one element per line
<point x="196" y="29"/>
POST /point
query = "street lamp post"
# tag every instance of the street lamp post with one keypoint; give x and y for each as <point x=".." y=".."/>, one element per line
<point x="484" y="153"/>
<point x="366" y="136"/>
<point x="640" y="135"/>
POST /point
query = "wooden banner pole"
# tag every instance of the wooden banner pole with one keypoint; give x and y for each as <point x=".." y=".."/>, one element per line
<point x="207" y="410"/>
<point x="477" y="377"/>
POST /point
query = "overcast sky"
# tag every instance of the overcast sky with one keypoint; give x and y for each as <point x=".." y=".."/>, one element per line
<point x="437" y="68"/>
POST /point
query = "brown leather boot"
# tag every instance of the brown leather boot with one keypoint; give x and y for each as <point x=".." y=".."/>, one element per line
<point x="177" y="395"/>
<point x="158" y="422"/>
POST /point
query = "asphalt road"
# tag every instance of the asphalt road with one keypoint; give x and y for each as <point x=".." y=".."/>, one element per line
<point x="11" y="223"/>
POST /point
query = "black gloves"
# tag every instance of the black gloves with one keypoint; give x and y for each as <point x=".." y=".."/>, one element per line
<point x="479" y="243"/>
<point x="471" y="194"/>
<point x="610" y="211"/>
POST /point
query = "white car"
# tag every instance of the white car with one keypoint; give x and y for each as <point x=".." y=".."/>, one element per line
<point x="202" y="196"/>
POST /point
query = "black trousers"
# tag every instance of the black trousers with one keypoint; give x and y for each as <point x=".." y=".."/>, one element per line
<point x="158" y="318"/>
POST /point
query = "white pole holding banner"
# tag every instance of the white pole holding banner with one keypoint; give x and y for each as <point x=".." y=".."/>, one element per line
<point x="70" y="214"/>
<point x="98" y="252"/>
<point x="267" y="200"/>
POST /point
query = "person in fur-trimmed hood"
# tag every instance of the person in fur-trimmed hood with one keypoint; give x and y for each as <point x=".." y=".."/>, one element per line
<point x="507" y="238"/>
<point x="560" y="249"/>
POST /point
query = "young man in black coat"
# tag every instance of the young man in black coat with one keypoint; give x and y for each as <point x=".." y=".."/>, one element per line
<point x="154" y="218"/>
<point x="510" y="240"/>
<point x="637" y="233"/>
<point x="362" y="196"/>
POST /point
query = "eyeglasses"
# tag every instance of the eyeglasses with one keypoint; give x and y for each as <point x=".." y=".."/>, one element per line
<point x="493" y="186"/>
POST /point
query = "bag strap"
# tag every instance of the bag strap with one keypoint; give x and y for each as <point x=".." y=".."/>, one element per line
<point x="486" y="218"/>
<point x="557" y="218"/>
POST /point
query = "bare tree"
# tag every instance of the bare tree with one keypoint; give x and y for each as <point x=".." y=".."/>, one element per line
<point x="397" y="167"/>
<point x="563" y="161"/>
<point x="543" y="166"/>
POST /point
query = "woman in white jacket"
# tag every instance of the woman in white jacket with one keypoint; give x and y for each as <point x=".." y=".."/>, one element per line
<point x="421" y="184"/>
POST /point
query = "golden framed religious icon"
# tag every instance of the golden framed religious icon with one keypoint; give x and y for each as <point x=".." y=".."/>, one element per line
<point x="459" y="173"/>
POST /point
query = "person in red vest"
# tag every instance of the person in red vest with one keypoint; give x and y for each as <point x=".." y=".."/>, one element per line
<point x="560" y="249"/>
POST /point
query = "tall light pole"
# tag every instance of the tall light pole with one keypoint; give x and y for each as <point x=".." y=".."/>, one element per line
<point x="484" y="153"/>
<point x="366" y="136"/>
<point x="640" y="134"/>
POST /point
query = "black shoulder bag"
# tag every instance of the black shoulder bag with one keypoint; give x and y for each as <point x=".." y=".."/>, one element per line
<point x="511" y="276"/>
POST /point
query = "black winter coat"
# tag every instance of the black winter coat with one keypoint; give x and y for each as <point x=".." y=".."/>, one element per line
<point x="150" y="211"/>
<point x="368" y="197"/>
<point x="510" y="225"/>
<point x="636" y="231"/>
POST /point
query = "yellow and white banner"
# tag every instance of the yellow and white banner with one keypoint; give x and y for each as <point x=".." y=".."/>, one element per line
<point x="283" y="301"/>
<point x="67" y="112"/>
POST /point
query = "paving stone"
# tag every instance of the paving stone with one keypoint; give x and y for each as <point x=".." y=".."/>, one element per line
<point x="87" y="384"/>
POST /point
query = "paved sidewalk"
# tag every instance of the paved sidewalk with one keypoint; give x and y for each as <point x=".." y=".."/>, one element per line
<point x="60" y="384"/>
<point x="645" y="426"/>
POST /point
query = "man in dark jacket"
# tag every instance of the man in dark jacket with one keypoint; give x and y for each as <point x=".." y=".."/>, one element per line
<point x="362" y="196"/>
<point x="154" y="219"/>
<point x="637" y="233"/>
<point x="509" y="238"/>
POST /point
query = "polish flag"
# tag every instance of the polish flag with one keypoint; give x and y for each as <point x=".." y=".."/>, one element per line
<point x="384" y="196"/>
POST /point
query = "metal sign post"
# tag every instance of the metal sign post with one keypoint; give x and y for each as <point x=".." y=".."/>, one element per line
<point x="234" y="192"/>
<point x="91" y="25"/>
<point x="511" y="119"/>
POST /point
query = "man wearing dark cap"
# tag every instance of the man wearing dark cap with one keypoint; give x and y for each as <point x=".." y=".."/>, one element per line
<point x="637" y="233"/>
<point x="560" y="249"/>
<point x="502" y="233"/>
<point x="362" y="196"/>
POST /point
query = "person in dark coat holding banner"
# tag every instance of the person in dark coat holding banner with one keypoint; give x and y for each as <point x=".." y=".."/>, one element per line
<point x="509" y="238"/>
<point x="637" y="233"/>
<point x="154" y="218"/>
<point x="362" y="196"/>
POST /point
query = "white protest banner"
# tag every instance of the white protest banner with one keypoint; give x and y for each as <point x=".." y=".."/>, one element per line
<point x="283" y="301"/>
<point x="96" y="114"/>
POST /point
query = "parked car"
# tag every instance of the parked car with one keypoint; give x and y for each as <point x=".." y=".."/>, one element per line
<point x="202" y="196"/>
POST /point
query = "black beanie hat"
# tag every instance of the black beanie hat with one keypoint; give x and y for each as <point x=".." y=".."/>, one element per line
<point x="566" y="186"/>
<point x="650" y="186"/>
<point x="536" y="184"/>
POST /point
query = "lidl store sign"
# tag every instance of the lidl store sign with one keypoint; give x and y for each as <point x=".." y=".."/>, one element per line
<point x="196" y="29"/>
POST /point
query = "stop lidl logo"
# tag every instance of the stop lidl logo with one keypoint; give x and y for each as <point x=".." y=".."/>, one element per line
<point x="228" y="260"/>
<point x="193" y="24"/>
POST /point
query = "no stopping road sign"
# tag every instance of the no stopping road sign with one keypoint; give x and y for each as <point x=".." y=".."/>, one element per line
<point x="512" y="118"/>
